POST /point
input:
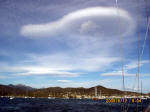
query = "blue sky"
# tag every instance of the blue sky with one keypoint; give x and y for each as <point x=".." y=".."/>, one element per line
<point x="73" y="43"/>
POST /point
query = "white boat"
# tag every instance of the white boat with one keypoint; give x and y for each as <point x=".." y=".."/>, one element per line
<point x="11" y="97"/>
<point x="51" y="97"/>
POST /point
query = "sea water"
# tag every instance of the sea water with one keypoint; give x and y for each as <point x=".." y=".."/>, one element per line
<point x="68" y="105"/>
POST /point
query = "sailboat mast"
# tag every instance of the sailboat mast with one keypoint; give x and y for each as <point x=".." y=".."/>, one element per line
<point x="100" y="94"/>
<point x="121" y="49"/>
<point x="95" y="91"/>
<point x="141" y="88"/>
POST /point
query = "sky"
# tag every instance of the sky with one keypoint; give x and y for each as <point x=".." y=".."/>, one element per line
<point x="75" y="43"/>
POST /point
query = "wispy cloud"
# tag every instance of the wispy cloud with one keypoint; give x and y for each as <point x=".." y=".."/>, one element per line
<point x="130" y="66"/>
<point x="117" y="73"/>
<point x="48" y="73"/>
<point x="134" y="64"/>
<point x="5" y="77"/>
<point x="60" y="65"/>
<point x="77" y="62"/>
<point x="30" y="70"/>
<point x="64" y="81"/>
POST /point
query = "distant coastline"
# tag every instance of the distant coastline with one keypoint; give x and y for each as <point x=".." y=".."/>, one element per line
<point x="58" y="92"/>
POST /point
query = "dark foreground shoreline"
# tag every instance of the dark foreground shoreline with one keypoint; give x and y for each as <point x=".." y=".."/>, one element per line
<point x="67" y="105"/>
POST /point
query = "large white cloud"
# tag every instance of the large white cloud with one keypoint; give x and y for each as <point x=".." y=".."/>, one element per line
<point x="95" y="21"/>
<point x="87" y="32"/>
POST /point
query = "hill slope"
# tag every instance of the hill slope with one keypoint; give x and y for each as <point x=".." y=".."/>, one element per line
<point x="22" y="90"/>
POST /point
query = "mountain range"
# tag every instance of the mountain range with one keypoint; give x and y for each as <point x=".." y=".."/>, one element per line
<point x="23" y="90"/>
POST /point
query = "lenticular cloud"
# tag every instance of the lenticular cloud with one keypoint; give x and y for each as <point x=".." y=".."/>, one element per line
<point x="96" y="21"/>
